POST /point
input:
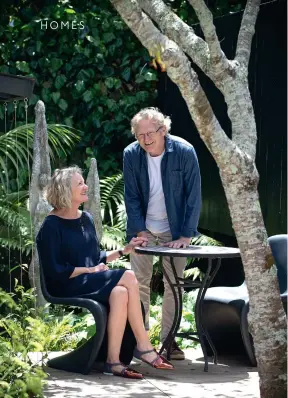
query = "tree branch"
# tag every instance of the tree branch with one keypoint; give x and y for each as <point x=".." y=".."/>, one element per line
<point x="178" y="31"/>
<point x="205" y="17"/>
<point x="180" y="71"/>
<point x="247" y="31"/>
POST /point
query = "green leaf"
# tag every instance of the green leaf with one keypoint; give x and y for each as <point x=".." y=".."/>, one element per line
<point x="139" y="79"/>
<point x="38" y="46"/>
<point x="142" y="95"/>
<point x="69" y="121"/>
<point x="55" y="96"/>
<point x="126" y="74"/>
<point x="87" y="52"/>
<point x="87" y="96"/>
<point x="108" y="37"/>
<point x="60" y="81"/>
<point x="86" y="74"/>
<point x="108" y="71"/>
<point x="23" y="66"/>
<point x="108" y="126"/>
<point x="63" y="104"/>
<point x="112" y="105"/>
<point x="150" y="76"/>
<point x="68" y="67"/>
<point x="109" y="82"/>
<point x="56" y="63"/>
<point x="70" y="11"/>
<point x="80" y="86"/>
<point x="45" y="93"/>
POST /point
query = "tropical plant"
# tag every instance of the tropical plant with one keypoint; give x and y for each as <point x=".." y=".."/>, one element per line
<point x="112" y="200"/>
<point x="201" y="240"/>
<point x="187" y="320"/>
<point x="16" y="152"/>
<point x="16" y="229"/>
<point x="25" y="329"/>
<point x="19" y="376"/>
<point x="113" y="211"/>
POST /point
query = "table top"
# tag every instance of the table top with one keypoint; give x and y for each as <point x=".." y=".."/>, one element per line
<point x="190" y="251"/>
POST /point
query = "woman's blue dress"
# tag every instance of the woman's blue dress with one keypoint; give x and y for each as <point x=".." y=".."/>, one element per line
<point x="63" y="245"/>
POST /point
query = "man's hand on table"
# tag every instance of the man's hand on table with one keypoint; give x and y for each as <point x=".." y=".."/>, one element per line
<point x="178" y="243"/>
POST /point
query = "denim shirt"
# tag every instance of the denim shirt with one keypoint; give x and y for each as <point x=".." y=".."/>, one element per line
<point x="181" y="183"/>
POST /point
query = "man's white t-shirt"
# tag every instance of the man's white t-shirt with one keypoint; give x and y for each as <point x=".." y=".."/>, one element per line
<point x="156" y="218"/>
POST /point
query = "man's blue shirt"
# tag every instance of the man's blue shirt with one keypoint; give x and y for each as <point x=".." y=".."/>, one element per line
<point x="181" y="183"/>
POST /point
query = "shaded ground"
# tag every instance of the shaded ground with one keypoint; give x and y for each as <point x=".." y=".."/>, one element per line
<point x="228" y="379"/>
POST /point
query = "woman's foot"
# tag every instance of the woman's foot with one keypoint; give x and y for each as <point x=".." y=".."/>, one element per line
<point x="119" y="369"/>
<point x="152" y="358"/>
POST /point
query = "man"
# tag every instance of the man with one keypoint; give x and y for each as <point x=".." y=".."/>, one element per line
<point x="163" y="200"/>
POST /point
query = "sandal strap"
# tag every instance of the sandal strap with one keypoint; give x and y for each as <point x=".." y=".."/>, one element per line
<point x="140" y="353"/>
<point x="108" y="366"/>
<point x="114" y="364"/>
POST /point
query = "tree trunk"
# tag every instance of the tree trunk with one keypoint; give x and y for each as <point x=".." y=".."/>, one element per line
<point x="267" y="319"/>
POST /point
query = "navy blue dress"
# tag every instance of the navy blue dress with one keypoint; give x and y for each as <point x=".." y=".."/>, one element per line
<point x="64" y="244"/>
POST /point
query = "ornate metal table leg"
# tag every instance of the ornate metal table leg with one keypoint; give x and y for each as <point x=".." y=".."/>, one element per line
<point x="198" y="312"/>
<point x="208" y="338"/>
<point x="198" y="322"/>
<point x="178" y="309"/>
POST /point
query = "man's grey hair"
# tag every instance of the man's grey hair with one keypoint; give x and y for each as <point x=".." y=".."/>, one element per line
<point x="58" y="192"/>
<point x="151" y="114"/>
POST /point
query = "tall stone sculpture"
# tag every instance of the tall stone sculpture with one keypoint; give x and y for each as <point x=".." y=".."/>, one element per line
<point x="93" y="205"/>
<point x="39" y="207"/>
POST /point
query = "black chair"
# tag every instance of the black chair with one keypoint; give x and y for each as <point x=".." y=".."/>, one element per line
<point x="93" y="353"/>
<point x="83" y="358"/>
<point x="225" y="309"/>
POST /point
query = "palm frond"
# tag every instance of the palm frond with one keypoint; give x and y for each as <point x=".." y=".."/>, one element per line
<point x="112" y="238"/>
<point x="16" y="229"/>
<point x="193" y="273"/>
<point x="121" y="216"/>
<point x="112" y="195"/>
<point x="16" y="146"/>
<point x="204" y="240"/>
<point x="16" y="197"/>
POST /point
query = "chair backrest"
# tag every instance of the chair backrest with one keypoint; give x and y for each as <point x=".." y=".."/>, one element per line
<point x="278" y="244"/>
<point x="45" y="293"/>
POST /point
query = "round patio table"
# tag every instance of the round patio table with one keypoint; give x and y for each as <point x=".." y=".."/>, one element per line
<point x="209" y="252"/>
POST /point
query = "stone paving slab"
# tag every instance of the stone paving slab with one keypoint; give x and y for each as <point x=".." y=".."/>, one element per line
<point x="228" y="379"/>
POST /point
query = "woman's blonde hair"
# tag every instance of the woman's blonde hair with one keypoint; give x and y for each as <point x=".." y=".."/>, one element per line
<point x="58" y="192"/>
<point x="150" y="114"/>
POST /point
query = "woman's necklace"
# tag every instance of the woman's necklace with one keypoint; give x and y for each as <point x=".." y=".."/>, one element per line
<point x="81" y="225"/>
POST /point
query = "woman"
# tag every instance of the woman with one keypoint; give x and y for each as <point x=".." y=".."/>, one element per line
<point x="73" y="265"/>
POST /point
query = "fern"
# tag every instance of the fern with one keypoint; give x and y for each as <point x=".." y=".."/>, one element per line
<point x="16" y="231"/>
<point x="112" y="195"/>
<point x="113" y="238"/>
<point x="113" y="212"/>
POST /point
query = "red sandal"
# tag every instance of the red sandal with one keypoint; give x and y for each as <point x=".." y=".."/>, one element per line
<point x="165" y="364"/>
<point x="125" y="372"/>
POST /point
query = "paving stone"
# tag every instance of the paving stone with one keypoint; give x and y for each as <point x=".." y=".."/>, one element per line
<point x="228" y="379"/>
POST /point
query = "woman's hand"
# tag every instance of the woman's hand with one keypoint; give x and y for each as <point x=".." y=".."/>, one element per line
<point x="139" y="241"/>
<point x="98" y="268"/>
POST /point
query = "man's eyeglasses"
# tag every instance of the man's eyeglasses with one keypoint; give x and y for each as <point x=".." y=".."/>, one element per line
<point x="150" y="134"/>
